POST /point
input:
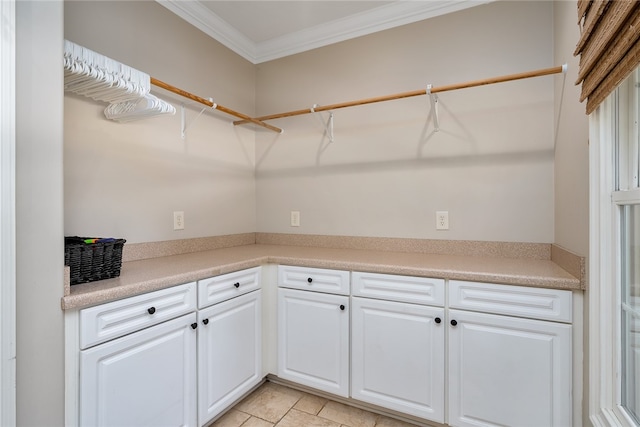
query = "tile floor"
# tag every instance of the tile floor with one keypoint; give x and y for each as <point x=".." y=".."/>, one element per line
<point x="276" y="405"/>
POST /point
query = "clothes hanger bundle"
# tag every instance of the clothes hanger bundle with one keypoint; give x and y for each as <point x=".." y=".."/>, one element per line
<point x="148" y="106"/>
<point x="126" y="89"/>
<point x="90" y="74"/>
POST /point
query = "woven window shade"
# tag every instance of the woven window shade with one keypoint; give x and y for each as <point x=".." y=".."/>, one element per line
<point x="609" y="46"/>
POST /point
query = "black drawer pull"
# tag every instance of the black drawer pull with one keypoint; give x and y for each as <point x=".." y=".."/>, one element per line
<point x="309" y="280"/>
<point x="437" y="320"/>
<point x="454" y="322"/>
<point x="237" y="284"/>
<point x="342" y="307"/>
<point x="194" y="325"/>
<point x="151" y="310"/>
<point x="205" y="321"/>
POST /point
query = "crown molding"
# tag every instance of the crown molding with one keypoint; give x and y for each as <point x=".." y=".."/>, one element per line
<point x="211" y="24"/>
<point x="378" y="19"/>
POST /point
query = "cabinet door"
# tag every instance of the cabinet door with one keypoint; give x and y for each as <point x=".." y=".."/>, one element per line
<point x="398" y="356"/>
<point x="313" y="340"/>
<point x="507" y="371"/>
<point x="144" y="379"/>
<point x="229" y="352"/>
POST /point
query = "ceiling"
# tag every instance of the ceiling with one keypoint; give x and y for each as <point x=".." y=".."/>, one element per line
<point x="264" y="30"/>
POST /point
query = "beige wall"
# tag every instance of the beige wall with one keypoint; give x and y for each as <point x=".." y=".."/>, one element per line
<point x="491" y="165"/>
<point x="39" y="215"/>
<point x="126" y="180"/>
<point x="571" y="140"/>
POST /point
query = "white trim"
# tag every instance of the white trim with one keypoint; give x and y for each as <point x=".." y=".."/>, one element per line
<point x="380" y="18"/>
<point x="596" y="177"/>
<point x="7" y="219"/>
<point x="606" y="418"/>
<point x="72" y="368"/>
<point x="627" y="197"/>
<point x="601" y="174"/>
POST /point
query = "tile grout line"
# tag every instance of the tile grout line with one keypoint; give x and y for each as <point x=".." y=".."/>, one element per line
<point x="286" y="413"/>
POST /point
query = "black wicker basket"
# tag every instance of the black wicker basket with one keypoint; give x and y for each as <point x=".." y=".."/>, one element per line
<point x="89" y="262"/>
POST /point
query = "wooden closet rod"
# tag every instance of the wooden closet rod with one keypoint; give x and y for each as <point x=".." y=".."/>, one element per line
<point x="244" y="117"/>
<point x="510" y="77"/>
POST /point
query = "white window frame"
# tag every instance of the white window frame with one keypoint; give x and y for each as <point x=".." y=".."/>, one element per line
<point x="604" y="269"/>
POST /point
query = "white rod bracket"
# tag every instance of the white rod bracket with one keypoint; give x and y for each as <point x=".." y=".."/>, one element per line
<point x="433" y="98"/>
<point x="183" y="126"/>
<point x="565" y="67"/>
<point x="328" y="126"/>
<point x="184" y="117"/>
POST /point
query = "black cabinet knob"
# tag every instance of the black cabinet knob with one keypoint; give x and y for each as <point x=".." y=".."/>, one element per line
<point x="151" y="310"/>
<point x="437" y="320"/>
<point x="194" y="325"/>
<point x="309" y="280"/>
<point x="454" y="322"/>
<point x="341" y="307"/>
<point x="237" y="284"/>
<point x="205" y="321"/>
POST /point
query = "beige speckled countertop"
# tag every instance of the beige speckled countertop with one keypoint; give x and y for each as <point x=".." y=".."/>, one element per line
<point x="156" y="273"/>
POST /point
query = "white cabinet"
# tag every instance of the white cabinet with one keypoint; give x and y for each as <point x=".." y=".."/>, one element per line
<point x="313" y="333"/>
<point x="465" y="354"/>
<point x="507" y="370"/>
<point x="398" y="356"/>
<point x="507" y="349"/>
<point x="147" y="378"/>
<point x="398" y="343"/>
<point x="229" y="352"/>
<point x="155" y="360"/>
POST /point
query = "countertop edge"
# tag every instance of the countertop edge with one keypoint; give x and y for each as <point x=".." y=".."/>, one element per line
<point x="220" y="261"/>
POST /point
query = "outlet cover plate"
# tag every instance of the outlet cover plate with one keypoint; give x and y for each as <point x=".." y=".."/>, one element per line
<point x="442" y="220"/>
<point x="178" y="220"/>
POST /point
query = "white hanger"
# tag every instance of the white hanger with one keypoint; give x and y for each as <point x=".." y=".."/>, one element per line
<point x="90" y="74"/>
<point x="328" y="127"/>
<point x="148" y="106"/>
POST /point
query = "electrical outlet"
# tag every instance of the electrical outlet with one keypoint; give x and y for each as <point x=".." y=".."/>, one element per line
<point x="178" y="220"/>
<point x="442" y="220"/>
<point x="295" y="218"/>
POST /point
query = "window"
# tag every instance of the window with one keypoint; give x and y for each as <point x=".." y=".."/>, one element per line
<point x="627" y="199"/>
<point x="630" y="311"/>
<point x="614" y="296"/>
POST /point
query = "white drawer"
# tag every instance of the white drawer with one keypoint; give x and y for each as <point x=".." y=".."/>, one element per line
<point x="314" y="279"/>
<point x="227" y="286"/>
<point x="118" y="318"/>
<point x="522" y="301"/>
<point x="418" y="290"/>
